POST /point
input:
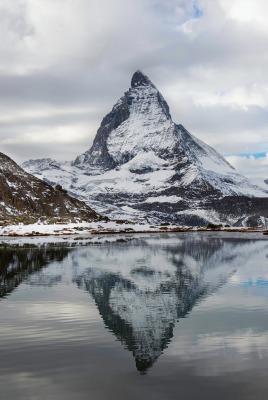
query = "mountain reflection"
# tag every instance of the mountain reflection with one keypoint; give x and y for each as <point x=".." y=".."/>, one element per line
<point x="17" y="264"/>
<point x="140" y="304"/>
<point x="141" y="288"/>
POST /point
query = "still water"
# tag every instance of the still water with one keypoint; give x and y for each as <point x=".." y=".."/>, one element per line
<point x="172" y="316"/>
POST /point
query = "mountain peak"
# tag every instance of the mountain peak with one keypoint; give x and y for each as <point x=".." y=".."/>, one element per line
<point x="140" y="79"/>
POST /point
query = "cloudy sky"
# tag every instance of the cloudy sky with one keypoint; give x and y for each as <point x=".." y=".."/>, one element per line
<point x="64" y="63"/>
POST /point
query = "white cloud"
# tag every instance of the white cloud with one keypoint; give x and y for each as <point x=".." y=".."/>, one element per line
<point x="247" y="10"/>
<point x="254" y="168"/>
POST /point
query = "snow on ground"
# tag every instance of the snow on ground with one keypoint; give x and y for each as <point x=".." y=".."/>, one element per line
<point x="90" y="230"/>
<point x="83" y="233"/>
<point x="81" y="228"/>
<point x="260" y="182"/>
<point x="163" y="199"/>
<point x="145" y="160"/>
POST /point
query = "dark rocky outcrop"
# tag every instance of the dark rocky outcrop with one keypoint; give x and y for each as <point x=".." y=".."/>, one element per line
<point x="27" y="198"/>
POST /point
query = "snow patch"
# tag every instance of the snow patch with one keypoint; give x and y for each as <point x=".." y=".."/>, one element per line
<point x="163" y="199"/>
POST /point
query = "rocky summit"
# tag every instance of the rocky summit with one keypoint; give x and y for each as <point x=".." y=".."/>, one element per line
<point x="25" y="198"/>
<point x="144" y="166"/>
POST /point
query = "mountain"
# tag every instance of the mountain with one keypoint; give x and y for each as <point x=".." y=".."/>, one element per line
<point x="23" y="197"/>
<point x="142" y="165"/>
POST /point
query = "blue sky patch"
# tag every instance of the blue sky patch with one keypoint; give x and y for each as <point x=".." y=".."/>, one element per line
<point x="248" y="155"/>
<point x="197" y="11"/>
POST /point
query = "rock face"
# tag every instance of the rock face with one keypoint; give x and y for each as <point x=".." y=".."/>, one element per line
<point x="24" y="195"/>
<point x="142" y="165"/>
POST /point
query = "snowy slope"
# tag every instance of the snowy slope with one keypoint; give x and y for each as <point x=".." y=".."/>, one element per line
<point x="143" y="165"/>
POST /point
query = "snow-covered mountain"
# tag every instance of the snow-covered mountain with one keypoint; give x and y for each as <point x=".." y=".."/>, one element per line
<point x="143" y="165"/>
<point x="23" y="197"/>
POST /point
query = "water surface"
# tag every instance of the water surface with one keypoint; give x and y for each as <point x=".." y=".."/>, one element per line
<point x="160" y="317"/>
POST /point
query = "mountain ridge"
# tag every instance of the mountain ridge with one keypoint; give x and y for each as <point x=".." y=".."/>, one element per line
<point x="25" y="197"/>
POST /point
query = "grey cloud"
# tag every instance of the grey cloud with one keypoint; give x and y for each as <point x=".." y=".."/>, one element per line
<point x="47" y="87"/>
<point x="14" y="16"/>
<point x="50" y="120"/>
<point x="221" y="119"/>
<point x="228" y="130"/>
<point x="21" y="152"/>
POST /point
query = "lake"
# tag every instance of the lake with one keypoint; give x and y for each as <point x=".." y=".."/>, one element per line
<point x="161" y="316"/>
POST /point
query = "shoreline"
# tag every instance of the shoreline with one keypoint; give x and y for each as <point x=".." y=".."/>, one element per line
<point x="110" y="228"/>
